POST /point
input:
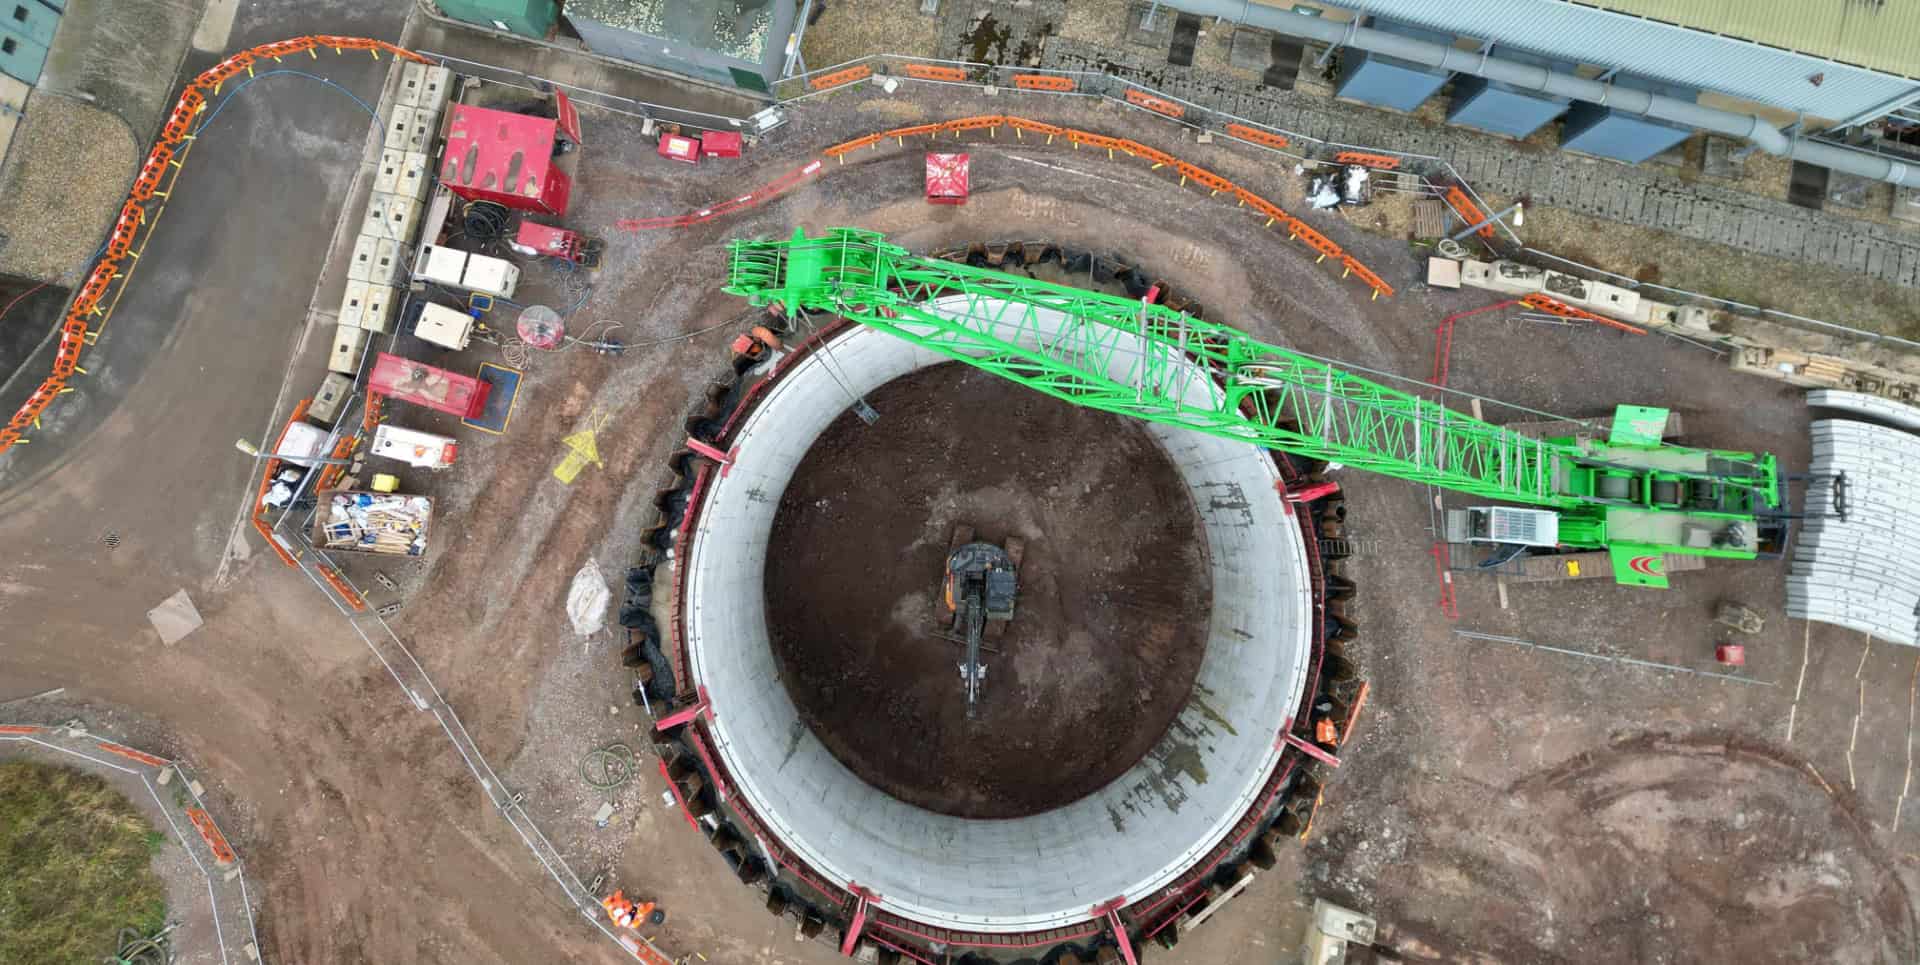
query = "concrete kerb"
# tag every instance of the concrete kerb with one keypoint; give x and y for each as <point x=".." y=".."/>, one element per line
<point x="228" y="901"/>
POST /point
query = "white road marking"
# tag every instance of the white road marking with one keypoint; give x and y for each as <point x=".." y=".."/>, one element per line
<point x="1063" y="170"/>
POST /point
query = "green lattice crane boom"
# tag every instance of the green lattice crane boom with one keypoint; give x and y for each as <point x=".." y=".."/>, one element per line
<point x="1629" y="493"/>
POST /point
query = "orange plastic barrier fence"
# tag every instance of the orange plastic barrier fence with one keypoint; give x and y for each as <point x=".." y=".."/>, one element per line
<point x="841" y="77"/>
<point x="217" y="842"/>
<point x="854" y="145"/>
<point x="1256" y="136"/>
<point x="177" y="130"/>
<point x="131" y="754"/>
<point x="1042" y="82"/>
<point x="1463" y="206"/>
<point x="1375" y="282"/>
<point x="151" y="172"/>
<point x="975" y="123"/>
<point x="1382" y="161"/>
<point x="342" y="587"/>
<point x="1037" y="127"/>
<point x="1113" y="145"/>
<point x="88" y="301"/>
<point x="19" y="729"/>
<point x="1158" y="105"/>
<point x="1554" y="306"/>
<point x="932" y="72"/>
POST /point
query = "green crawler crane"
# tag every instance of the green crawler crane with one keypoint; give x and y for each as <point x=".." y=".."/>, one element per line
<point x="1630" y="494"/>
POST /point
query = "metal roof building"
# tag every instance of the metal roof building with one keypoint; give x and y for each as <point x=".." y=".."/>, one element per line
<point x="1839" y="61"/>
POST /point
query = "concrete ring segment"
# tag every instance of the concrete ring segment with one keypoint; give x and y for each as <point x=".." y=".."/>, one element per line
<point x="1047" y="870"/>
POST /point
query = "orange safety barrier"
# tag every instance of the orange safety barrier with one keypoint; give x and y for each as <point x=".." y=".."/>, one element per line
<point x="1383" y="162"/>
<point x="95" y="287"/>
<point x="29" y="412"/>
<point x="216" y="842"/>
<point x="19" y="729"/>
<point x="66" y="358"/>
<point x="1256" y="136"/>
<point x="1212" y="181"/>
<point x="266" y="533"/>
<point x="1022" y="124"/>
<point x="225" y="70"/>
<point x="1314" y="239"/>
<point x="1158" y="105"/>
<point x="342" y="587"/>
<point x="902" y="133"/>
<point x="975" y="123"/>
<point x="151" y="173"/>
<point x="1042" y="82"/>
<point x="131" y="754"/>
<point x="1463" y="205"/>
<point x="1554" y="306"/>
<point x="853" y="145"/>
<point x="1375" y="282"/>
<point x="287" y="48"/>
<point x="841" y="77"/>
<point x="1159" y="158"/>
<point x="931" y="72"/>
<point x="179" y="124"/>
<point x="120" y="243"/>
<point x="1188" y="172"/>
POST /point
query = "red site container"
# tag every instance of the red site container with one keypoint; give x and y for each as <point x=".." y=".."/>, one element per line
<point x="424" y="385"/>
<point x="720" y="143"/>
<point x="947" y="178"/>
<point x="679" y="147"/>
<point x="506" y="158"/>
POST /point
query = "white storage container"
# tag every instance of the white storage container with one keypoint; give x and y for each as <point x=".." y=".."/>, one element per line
<point x="444" y="327"/>
<point x="423" y="450"/>
<point x="491" y="276"/>
<point x="442" y="266"/>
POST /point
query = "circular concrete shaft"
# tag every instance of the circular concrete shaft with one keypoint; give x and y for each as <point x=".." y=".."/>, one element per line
<point x="1022" y="874"/>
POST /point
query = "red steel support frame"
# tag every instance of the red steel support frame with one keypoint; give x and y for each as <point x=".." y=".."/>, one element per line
<point x="1111" y="912"/>
<point x="865" y="898"/>
<point x="725" y="459"/>
<point x="684" y="715"/>
<point x="1308" y="748"/>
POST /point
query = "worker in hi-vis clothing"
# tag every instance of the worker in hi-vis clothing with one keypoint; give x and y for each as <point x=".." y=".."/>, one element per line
<point x="623" y="912"/>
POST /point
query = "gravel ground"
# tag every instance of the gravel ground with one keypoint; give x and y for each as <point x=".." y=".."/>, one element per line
<point x="68" y="172"/>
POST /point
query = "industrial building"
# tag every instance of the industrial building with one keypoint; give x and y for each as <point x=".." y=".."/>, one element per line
<point x="1822" y="81"/>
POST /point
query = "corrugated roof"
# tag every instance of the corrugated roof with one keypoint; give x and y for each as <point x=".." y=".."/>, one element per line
<point x="1664" y="50"/>
<point x="1878" y="34"/>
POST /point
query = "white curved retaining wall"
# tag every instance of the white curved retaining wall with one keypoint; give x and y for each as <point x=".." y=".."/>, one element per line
<point x="1047" y="870"/>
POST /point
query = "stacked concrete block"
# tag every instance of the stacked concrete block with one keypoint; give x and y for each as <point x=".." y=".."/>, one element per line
<point x="1860" y="571"/>
<point x="394" y="211"/>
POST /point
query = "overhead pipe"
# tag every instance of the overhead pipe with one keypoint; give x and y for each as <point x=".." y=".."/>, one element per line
<point x="1532" y="77"/>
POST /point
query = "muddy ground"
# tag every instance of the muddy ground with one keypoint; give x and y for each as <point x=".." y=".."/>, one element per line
<point x="1108" y="628"/>
<point x="1474" y="811"/>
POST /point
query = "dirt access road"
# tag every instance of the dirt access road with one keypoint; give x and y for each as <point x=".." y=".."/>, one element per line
<point x="376" y="846"/>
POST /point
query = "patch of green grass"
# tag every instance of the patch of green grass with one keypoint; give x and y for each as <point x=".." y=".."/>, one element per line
<point x="76" y="866"/>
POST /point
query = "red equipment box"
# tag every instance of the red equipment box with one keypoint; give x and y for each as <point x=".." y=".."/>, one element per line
<point x="425" y="385"/>
<point x="680" y="147"/>
<point x="538" y="240"/>
<point x="720" y="143"/>
<point x="506" y="158"/>
<point x="947" y="178"/>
